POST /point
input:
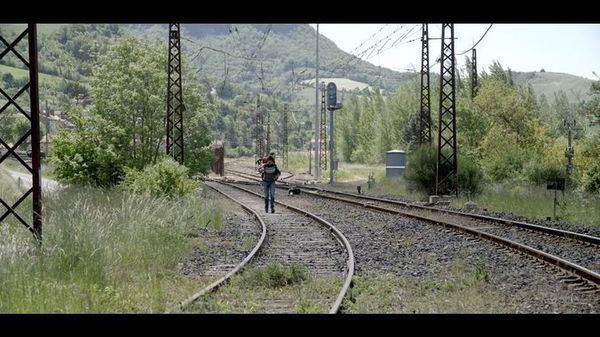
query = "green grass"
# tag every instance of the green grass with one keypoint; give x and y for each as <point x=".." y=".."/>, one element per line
<point x="13" y="165"/>
<point x="18" y="73"/>
<point x="297" y="162"/>
<point x="537" y="202"/>
<point x="275" y="275"/>
<point x="9" y="190"/>
<point x="351" y="174"/>
<point x="103" y="251"/>
<point x="341" y="83"/>
<point x="41" y="28"/>
<point x="463" y="290"/>
<point x="245" y="293"/>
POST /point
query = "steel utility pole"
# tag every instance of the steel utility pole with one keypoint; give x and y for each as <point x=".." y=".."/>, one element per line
<point x="331" y="147"/>
<point x="175" y="106"/>
<point x="474" y="74"/>
<point x="31" y="64"/>
<point x="332" y="104"/>
<point x="425" y="107"/>
<point x="323" y="129"/>
<point x="309" y="158"/>
<point x="47" y="126"/>
<point x="268" y="136"/>
<point x="259" y="129"/>
<point x="285" y="136"/>
<point x="569" y="151"/>
<point x="317" y="124"/>
<point x="446" y="157"/>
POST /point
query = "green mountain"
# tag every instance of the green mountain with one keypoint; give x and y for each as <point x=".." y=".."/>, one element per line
<point x="547" y="83"/>
<point x="271" y="59"/>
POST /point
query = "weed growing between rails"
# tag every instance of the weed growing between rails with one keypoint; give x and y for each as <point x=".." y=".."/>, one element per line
<point x="103" y="251"/>
<point x="290" y="285"/>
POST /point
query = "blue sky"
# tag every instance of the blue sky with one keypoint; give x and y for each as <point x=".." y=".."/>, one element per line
<point x="564" y="48"/>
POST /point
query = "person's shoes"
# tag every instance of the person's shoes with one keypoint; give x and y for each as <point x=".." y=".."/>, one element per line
<point x="266" y="209"/>
<point x="272" y="210"/>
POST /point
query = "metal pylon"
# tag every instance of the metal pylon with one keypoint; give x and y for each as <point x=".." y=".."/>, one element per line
<point x="31" y="64"/>
<point x="424" y="124"/>
<point x="175" y="106"/>
<point x="284" y="141"/>
<point x="323" y="130"/>
<point x="260" y="144"/>
<point x="446" y="157"/>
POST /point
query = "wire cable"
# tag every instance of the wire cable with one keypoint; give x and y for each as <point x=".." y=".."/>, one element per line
<point x="475" y="45"/>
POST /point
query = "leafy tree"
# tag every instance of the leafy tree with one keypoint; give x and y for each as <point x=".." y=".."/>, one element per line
<point x="346" y="128"/>
<point x="472" y="125"/>
<point x="366" y="131"/>
<point x="197" y="151"/>
<point x="593" y="178"/>
<point x="593" y="106"/>
<point x="128" y="89"/>
<point x="502" y="105"/>
<point x="129" y="101"/>
<point x="85" y="157"/>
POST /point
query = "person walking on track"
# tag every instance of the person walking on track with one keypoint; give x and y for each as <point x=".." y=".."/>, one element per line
<point x="270" y="173"/>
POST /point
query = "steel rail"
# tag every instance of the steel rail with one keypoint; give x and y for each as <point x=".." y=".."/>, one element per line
<point x="213" y="286"/>
<point x="345" y="243"/>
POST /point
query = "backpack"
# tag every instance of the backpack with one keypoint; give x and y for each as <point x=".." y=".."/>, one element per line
<point x="269" y="173"/>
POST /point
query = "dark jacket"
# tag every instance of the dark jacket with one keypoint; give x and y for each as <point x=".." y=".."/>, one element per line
<point x="269" y="172"/>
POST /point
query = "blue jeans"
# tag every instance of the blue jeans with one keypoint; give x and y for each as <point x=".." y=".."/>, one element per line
<point x="269" y="188"/>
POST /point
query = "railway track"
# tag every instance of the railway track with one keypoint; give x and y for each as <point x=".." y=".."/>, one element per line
<point x="291" y="235"/>
<point x="221" y="281"/>
<point x="575" y="255"/>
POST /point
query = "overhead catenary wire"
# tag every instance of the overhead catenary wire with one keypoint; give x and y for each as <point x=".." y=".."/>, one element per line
<point x="475" y="45"/>
<point x="382" y="45"/>
<point x="437" y="61"/>
<point x="401" y="38"/>
<point x="252" y="57"/>
<point x="400" y="41"/>
<point x="341" y="58"/>
<point x="354" y="58"/>
<point x="347" y="58"/>
<point x="262" y="42"/>
<point x="379" y="46"/>
<point x="197" y="52"/>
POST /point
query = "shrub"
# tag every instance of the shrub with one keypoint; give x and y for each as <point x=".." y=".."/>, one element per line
<point x="79" y="158"/>
<point x="165" y="178"/>
<point x="470" y="176"/>
<point x="539" y="172"/>
<point x="592" y="183"/>
<point x="421" y="169"/>
<point x="240" y="151"/>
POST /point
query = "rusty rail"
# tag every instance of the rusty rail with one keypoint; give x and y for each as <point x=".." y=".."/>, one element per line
<point x="345" y="243"/>
<point x="213" y="286"/>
